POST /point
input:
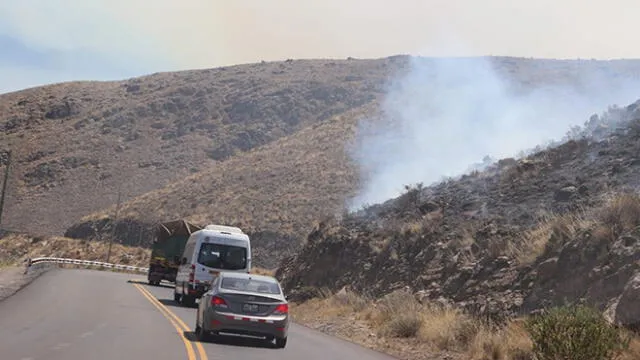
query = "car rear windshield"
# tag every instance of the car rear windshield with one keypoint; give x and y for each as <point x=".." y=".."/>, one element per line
<point x="222" y="256"/>
<point x="252" y="285"/>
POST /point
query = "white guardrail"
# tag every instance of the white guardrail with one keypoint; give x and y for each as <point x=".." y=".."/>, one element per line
<point x="55" y="260"/>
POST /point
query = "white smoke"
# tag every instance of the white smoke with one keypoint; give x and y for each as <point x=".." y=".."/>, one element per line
<point x="446" y="114"/>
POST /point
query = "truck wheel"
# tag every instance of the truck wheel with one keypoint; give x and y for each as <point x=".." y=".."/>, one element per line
<point x="188" y="300"/>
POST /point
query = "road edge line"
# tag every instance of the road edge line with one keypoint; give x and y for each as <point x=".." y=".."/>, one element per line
<point x="203" y="354"/>
<point x="187" y="344"/>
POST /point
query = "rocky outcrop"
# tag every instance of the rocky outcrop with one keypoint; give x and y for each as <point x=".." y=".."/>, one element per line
<point x="590" y="269"/>
<point x="626" y="308"/>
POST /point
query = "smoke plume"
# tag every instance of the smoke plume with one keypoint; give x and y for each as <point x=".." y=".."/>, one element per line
<point x="445" y="114"/>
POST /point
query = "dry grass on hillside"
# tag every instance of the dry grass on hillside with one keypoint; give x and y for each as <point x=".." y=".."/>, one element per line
<point x="401" y="326"/>
<point x="619" y="214"/>
<point x="76" y="143"/>
<point x="16" y="248"/>
<point x="289" y="185"/>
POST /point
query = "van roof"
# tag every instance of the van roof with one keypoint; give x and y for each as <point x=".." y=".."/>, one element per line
<point x="231" y="229"/>
<point x="223" y="234"/>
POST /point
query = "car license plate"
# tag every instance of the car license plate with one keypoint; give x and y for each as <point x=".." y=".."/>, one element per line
<point x="250" y="308"/>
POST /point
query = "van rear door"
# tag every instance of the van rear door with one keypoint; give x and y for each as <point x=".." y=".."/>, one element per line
<point x="220" y="254"/>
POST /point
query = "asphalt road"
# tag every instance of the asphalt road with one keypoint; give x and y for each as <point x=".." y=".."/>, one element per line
<point x="85" y="314"/>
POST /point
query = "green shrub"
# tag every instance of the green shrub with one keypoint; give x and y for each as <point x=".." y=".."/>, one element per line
<point x="575" y="332"/>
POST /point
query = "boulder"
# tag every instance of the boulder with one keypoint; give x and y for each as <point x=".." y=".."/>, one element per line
<point x="566" y="193"/>
<point x="627" y="311"/>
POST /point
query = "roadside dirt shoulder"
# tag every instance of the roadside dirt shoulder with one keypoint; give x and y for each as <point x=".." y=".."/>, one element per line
<point x="13" y="278"/>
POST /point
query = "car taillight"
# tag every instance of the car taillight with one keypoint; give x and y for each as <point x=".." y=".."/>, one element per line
<point x="192" y="273"/>
<point x="218" y="301"/>
<point x="281" y="309"/>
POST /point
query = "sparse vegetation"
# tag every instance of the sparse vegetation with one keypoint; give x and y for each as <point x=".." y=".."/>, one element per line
<point x="551" y="231"/>
<point x="407" y="327"/>
<point x="620" y="215"/>
<point x="575" y="332"/>
<point x="410" y="329"/>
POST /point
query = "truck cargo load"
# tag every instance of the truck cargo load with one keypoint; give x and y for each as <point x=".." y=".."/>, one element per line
<point x="168" y="246"/>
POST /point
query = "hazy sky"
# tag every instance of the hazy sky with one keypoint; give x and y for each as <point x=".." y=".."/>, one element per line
<point x="44" y="41"/>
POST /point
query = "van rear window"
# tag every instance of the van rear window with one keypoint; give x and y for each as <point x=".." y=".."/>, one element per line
<point x="220" y="256"/>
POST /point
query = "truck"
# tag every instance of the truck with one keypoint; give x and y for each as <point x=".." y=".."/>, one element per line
<point x="169" y="241"/>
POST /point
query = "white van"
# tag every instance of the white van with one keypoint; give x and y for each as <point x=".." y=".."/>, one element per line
<point x="208" y="251"/>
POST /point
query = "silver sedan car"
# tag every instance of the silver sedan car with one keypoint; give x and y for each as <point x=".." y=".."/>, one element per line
<point x="243" y="304"/>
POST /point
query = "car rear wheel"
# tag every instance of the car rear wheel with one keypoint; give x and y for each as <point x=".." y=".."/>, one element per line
<point x="281" y="342"/>
<point x="201" y="335"/>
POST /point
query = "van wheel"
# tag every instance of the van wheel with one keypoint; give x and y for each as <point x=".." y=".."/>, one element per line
<point x="176" y="297"/>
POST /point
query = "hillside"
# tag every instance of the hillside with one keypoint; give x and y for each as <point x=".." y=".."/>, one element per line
<point x="274" y="193"/>
<point x="278" y="190"/>
<point x="559" y="225"/>
<point x="76" y="144"/>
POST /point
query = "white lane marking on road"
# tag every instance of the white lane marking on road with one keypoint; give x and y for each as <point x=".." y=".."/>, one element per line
<point x="27" y="359"/>
<point x="88" y="333"/>
<point x="61" y="346"/>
